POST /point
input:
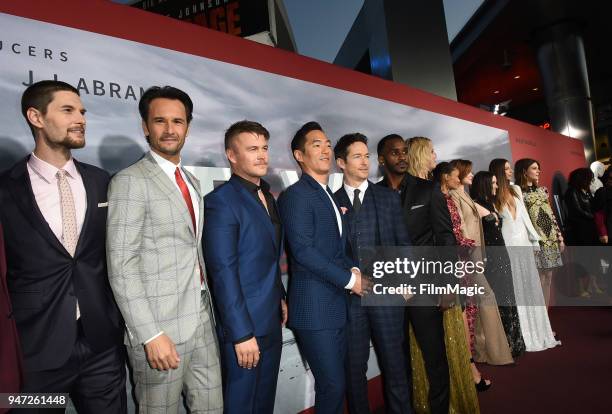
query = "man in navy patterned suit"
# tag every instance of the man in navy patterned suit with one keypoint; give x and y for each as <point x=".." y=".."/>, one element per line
<point x="374" y="218"/>
<point x="321" y="275"/>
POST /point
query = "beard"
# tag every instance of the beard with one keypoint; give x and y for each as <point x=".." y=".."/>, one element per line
<point x="67" y="141"/>
<point x="73" y="143"/>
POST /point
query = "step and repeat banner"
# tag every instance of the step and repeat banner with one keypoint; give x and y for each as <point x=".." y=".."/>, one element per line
<point x="112" y="72"/>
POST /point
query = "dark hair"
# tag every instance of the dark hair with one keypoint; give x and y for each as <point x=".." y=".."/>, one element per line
<point x="580" y="178"/>
<point x="443" y="168"/>
<point x="520" y="169"/>
<point x="497" y="167"/>
<point x="239" y="127"/>
<point x="343" y="144"/>
<point x="299" y="139"/>
<point x="167" y="92"/>
<point x="380" y="148"/>
<point x="464" y="167"/>
<point x="38" y="96"/>
<point x="482" y="187"/>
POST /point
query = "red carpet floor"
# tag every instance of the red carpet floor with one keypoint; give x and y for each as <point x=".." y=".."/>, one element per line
<point x="573" y="378"/>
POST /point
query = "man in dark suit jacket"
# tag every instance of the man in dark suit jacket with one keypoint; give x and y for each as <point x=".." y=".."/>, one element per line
<point x="374" y="218"/>
<point x="321" y="274"/>
<point x="243" y="239"/>
<point x="428" y="223"/>
<point x="54" y="218"/>
<point x="11" y="374"/>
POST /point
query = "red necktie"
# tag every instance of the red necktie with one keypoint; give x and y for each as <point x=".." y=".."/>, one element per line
<point x="187" y="197"/>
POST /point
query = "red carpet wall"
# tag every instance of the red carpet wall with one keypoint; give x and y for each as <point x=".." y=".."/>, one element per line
<point x="111" y="53"/>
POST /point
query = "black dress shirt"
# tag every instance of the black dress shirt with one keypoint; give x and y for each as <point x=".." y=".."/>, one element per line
<point x="272" y="211"/>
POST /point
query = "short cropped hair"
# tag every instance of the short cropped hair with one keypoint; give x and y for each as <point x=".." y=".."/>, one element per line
<point x="380" y="148"/>
<point x="38" y="96"/>
<point x="299" y="139"/>
<point x="167" y="92"/>
<point x="343" y="144"/>
<point x="239" y="127"/>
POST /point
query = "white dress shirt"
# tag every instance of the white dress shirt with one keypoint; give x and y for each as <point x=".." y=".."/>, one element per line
<point x="350" y="191"/>
<point x="46" y="193"/>
<point x="351" y="282"/>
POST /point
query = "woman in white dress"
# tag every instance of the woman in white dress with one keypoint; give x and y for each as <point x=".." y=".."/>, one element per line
<point x="521" y="238"/>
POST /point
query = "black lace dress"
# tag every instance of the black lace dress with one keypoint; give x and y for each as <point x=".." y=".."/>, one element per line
<point x="499" y="275"/>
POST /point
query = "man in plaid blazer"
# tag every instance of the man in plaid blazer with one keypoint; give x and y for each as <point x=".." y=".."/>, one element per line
<point x="374" y="218"/>
<point x="156" y="266"/>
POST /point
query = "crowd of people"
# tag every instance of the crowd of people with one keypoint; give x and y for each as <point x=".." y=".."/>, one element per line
<point x="190" y="284"/>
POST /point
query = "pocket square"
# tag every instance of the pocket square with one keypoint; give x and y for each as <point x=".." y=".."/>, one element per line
<point x="417" y="206"/>
<point x="103" y="204"/>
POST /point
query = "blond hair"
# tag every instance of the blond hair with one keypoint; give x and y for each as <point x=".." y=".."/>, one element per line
<point x="419" y="152"/>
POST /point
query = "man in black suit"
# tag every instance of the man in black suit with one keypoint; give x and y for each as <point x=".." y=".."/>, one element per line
<point x="428" y="223"/>
<point x="374" y="218"/>
<point x="54" y="221"/>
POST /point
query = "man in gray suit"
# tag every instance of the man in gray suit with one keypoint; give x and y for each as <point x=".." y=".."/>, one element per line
<point x="156" y="266"/>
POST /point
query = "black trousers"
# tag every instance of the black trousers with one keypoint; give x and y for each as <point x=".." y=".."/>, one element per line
<point x="428" y="328"/>
<point x="95" y="381"/>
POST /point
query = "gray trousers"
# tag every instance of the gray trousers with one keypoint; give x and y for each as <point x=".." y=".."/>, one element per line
<point x="198" y="375"/>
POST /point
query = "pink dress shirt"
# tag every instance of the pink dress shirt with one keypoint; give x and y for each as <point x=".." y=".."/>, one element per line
<point x="47" y="195"/>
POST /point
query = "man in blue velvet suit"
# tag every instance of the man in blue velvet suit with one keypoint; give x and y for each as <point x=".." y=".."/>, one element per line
<point x="374" y="216"/>
<point x="321" y="272"/>
<point x="243" y="238"/>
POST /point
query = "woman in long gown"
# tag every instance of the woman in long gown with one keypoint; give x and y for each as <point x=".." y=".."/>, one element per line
<point x="487" y="337"/>
<point x="498" y="269"/>
<point x="522" y="238"/>
<point x="463" y="398"/>
<point x="527" y="175"/>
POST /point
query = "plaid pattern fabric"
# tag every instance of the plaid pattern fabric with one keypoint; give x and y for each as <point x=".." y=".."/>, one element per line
<point x="198" y="374"/>
<point x="153" y="254"/>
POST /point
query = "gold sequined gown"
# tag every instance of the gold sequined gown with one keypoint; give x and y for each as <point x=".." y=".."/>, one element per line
<point x="463" y="397"/>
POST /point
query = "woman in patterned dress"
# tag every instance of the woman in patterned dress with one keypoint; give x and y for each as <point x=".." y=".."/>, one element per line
<point x="527" y="175"/>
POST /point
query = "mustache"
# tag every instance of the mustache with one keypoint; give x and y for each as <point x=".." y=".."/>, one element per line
<point x="165" y="136"/>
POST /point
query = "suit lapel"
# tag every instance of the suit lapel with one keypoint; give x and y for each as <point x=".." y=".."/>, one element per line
<point x="90" y="190"/>
<point x="324" y="198"/>
<point x="343" y="199"/>
<point x="196" y="185"/>
<point x="249" y="200"/>
<point x="161" y="179"/>
<point x="463" y="195"/>
<point x="21" y="188"/>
